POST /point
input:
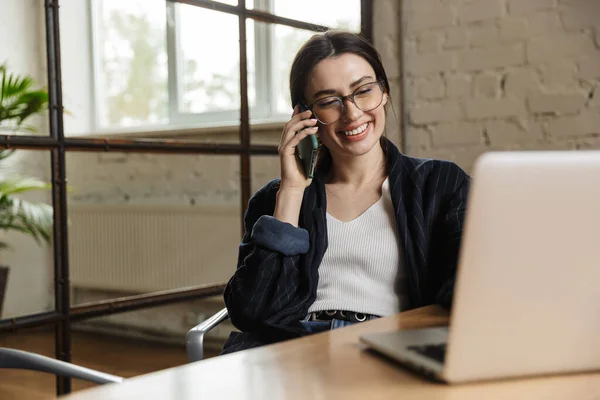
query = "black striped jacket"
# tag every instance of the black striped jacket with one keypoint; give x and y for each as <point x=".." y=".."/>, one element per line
<point x="277" y="272"/>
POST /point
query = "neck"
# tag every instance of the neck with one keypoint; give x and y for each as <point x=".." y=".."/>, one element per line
<point x="357" y="171"/>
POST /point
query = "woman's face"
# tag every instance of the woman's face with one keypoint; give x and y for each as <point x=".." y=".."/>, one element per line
<point x="357" y="132"/>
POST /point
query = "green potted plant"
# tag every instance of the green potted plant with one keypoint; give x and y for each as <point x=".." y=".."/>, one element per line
<point x="19" y="100"/>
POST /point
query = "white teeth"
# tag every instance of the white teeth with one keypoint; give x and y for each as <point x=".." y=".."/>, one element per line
<point x="356" y="131"/>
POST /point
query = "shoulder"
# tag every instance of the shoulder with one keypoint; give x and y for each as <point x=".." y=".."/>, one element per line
<point x="427" y="169"/>
<point x="423" y="171"/>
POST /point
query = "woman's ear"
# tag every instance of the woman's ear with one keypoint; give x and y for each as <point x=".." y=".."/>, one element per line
<point x="385" y="98"/>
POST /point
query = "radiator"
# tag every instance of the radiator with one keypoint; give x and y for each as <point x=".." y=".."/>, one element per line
<point x="151" y="248"/>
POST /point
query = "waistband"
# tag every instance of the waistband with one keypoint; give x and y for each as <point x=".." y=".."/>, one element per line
<point x="351" y="316"/>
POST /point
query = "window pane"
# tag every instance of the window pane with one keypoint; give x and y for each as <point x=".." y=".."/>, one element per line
<point x="343" y="14"/>
<point x="209" y="65"/>
<point x="132" y="66"/>
<point x="287" y="41"/>
<point x="141" y="223"/>
<point x="26" y="270"/>
<point x="264" y="169"/>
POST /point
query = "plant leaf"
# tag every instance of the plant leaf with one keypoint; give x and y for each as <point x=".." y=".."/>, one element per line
<point x="13" y="186"/>
<point x="33" y="219"/>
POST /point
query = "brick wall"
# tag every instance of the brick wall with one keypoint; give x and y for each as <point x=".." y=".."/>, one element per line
<point x="501" y="74"/>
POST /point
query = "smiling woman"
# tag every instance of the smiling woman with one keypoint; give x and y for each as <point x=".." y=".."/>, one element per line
<point x="374" y="233"/>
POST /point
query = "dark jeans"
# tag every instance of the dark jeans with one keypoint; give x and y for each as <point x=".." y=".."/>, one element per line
<point x="322" y="326"/>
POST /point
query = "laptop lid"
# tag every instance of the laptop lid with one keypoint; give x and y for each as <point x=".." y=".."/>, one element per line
<point x="527" y="298"/>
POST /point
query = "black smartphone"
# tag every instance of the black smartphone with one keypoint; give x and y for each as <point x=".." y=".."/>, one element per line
<point x="307" y="151"/>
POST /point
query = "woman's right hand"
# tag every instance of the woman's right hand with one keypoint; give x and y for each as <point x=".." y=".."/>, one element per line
<point x="297" y="128"/>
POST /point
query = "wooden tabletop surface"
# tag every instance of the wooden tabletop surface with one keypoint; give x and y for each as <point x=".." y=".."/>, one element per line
<point x="330" y="365"/>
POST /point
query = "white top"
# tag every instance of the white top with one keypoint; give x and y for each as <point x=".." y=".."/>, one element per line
<point x="361" y="269"/>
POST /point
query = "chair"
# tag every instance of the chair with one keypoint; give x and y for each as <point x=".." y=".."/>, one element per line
<point x="195" y="336"/>
<point x="18" y="359"/>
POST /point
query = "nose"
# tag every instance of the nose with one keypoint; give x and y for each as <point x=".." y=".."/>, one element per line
<point x="351" y="112"/>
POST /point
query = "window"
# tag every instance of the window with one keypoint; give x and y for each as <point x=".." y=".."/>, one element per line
<point x="159" y="63"/>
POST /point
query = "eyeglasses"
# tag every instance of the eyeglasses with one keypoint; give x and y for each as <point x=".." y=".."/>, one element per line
<point x="329" y="110"/>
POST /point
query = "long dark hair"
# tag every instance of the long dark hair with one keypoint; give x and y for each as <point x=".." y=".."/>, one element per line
<point x="320" y="47"/>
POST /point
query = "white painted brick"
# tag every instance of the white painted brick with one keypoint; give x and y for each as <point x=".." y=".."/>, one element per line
<point x="440" y="17"/>
<point x="482" y="108"/>
<point x="523" y="7"/>
<point x="429" y="41"/>
<point x="464" y="156"/>
<point x="394" y="118"/>
<point x="540" y="103"/>
<point x="594" y="102"/>
<point x="487" y="84"/>
<point x="520" y="82"/>
<point x="453" y="134"/>
<point x="390" y="54"/>
<point x="458" y="85"/>
<point x="544" y="23"/>
<point x="581" y="15"/>
<point x="492" y="57"/>
<point x="431" y="87"/>
<point x="588" y="122"/>
<point x="426" y="64"/>
<point x="480" y="10"/>
<point x="559" y="76"/>
<point x="587" y="143"/>
<point x="549" y="48"/>
<point x="410" y="46"/>
<point x="590" y="68"/>
<point x="421" y="5"/>
<point x="572" y="3"/>
<point x="504" y="132"/>
<point x="456" y="38"/>
<point x="484" y="35"/>
<point x="387" y="14"/>
<point x="513" y="29"/>
<point x="411" y="92"/>
<point x="418" y="137"/>
<point x="428" y="113"/>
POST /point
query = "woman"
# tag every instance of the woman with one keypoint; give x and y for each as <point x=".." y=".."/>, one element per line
<point x="374" y="233"/>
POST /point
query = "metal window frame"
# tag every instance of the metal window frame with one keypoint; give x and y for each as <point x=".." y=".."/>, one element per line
<point x="263" y="66"/>
<point x="58" y="145"/>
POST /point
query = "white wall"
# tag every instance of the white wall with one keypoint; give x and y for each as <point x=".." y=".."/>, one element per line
<point x="501" y="74"/>
<point x="75" y="40"/>
<point x="22" y="48"/>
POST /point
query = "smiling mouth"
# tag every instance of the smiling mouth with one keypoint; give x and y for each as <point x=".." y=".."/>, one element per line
<point x="356" y="131"/>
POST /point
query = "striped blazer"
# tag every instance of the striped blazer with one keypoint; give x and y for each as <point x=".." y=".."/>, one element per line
<point x="277" y="270"/>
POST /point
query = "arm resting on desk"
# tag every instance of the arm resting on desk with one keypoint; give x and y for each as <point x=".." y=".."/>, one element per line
<point x="17" y="359"/>
<point x="195" y="337"/>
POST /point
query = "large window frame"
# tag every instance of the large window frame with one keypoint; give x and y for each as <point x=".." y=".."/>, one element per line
<point x="64" y="313"/>
<point x="263" y="110"/>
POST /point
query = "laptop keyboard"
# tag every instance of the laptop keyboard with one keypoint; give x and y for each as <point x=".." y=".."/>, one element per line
<point x="434" y="351"/>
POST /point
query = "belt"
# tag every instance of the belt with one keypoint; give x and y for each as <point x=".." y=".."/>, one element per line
<point x="351" y="316"/>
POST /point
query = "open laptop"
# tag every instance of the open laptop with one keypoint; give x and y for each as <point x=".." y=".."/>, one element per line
<point x="527" y="296"/>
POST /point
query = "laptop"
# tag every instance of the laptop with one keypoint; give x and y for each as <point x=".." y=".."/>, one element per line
<point x="527" y="296"/>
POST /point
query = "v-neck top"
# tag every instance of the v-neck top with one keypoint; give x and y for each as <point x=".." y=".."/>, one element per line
<point x="361" y="270"/>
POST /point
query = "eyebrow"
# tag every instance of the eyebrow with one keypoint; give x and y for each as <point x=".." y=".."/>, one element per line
<point x="352" y="85"/>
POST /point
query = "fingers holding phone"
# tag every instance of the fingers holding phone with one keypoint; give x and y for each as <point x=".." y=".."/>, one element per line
<point x="297" y="149"/>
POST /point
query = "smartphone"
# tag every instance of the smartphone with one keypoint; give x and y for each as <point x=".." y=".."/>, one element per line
<point x="307" y="151"/>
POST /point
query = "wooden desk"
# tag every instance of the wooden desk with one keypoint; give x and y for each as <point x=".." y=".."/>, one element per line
<point x="330" y="365"/>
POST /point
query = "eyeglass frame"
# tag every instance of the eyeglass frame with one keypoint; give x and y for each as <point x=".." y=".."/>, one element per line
<point x="348" y="97"/>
